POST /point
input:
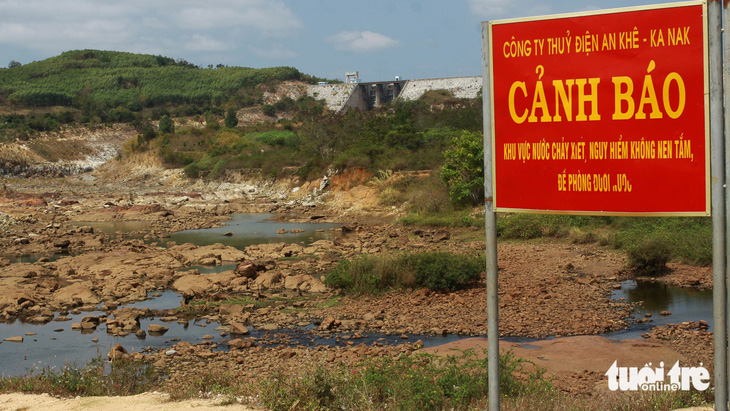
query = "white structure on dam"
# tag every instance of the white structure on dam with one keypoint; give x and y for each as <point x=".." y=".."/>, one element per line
<point x="366" y="96"/>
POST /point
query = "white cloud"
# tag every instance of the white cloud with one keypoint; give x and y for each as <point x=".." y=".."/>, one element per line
<point x="492" y="9"/>
<point x="485" y="8"/>
<point x="199" y="42"/>
<point x="274" y="52"/>
<point x="170" y="27"/>
<point x="361" y="41"/>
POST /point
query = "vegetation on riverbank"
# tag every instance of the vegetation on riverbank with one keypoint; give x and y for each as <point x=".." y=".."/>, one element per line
<point x="419" y="381"/>
<point x="438" y="271"/>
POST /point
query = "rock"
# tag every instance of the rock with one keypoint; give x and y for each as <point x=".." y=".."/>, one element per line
<point x="665" y="313"/>
<point x="647" y="315"/>
<point x="304" y="282"/>
<point x="286" y="354"/>
<point x="247" y="269"/>
<point x="704" y="324"/>
<point x="296" y="230"/>
<point x="117" y="353"/>
<point x="327" y="324"/>
<point x="14" y="339"/>
<point x="266" y="280"/>
<point x="368" y="317"/>
<point x="62" y="243"/>
<point x="207" y="337"/>
<point x="96" y="340"/>
<point x="157" y="329"/>
<point x="230" y="310"/>
<point x="239" y="328"/>
<point x="194" y="284"/>
<point x="141" y="334"/>
<point x="76" y="326"/>
<point x="270" y="327"/>
<point x="281" y="231"/>
<point x="168" y="319"/>
<point x="29" y="333"/>
<point x="74" y="295"/>
<point x="228" y="234"/>
<point x="170" y="352"/>
<point x="441" y="235"/>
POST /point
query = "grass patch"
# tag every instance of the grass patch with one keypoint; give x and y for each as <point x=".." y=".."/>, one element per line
<point x="649" y="241"/>
<point x="332" y="302"/>
<point x="121" y="377"/>
<point x="373" y="274"/>
<point x="463" y="218"/>
<point x="417" y="382"/>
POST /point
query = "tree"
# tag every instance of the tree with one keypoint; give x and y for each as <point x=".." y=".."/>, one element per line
<point x="231" y="119"/>
<point x="166" y="125"/>
<point x="463" y="169"/>
<point x="14" y="63"/>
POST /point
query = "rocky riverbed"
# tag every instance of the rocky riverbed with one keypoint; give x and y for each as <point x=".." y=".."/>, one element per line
<point x="547" y="288"/>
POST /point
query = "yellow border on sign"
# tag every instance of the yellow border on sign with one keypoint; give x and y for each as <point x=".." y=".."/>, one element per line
<point x="705" y="41"/>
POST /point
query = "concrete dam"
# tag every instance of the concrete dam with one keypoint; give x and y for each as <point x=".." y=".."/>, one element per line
<point x="366" y="96"/>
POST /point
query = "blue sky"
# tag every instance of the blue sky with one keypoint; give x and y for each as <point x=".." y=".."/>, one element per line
<point x="326" y="38"/>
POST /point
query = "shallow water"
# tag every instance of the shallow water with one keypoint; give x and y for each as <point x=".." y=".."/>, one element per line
<point x="248" y="229"/>
<point x="51" y="348"/>
<point x="112" y="227"/>
<point x="56" y="348"/>
<point x="685" y="304"/>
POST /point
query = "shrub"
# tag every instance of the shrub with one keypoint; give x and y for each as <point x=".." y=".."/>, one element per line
<point x="192" y="170"/>
<point x="650" y="257"/>
<point x="371" y="274"/>
<point x="463" y="169"/>
<point x="231" y="119"/>
<point x="416" y="382"/>
<point x="520" y="226"/>
<point x="268" y="110"/>
<point x="218" y="169"/>
<point x="123" y="377"/>
<point x="166" y="125"/>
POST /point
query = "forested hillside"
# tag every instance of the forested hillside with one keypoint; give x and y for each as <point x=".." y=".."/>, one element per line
<point x="92" y="86"/>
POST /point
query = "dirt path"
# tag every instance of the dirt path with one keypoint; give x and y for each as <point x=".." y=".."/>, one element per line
<point x="147" y="401"/>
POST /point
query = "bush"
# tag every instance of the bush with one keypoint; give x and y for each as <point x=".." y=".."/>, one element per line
<point x="650" y="258"/>
<point x="192" y="170"/>
<point x="123" y="377"/>
<point x="520" y="226"/>
<point x="268" y="110"/>
<point x="440" y="271"/>
<point x="166" y="125"/>
<point x="463" y="169"/>
<point x="231" y="119"/>
<point x="416" y="382"/>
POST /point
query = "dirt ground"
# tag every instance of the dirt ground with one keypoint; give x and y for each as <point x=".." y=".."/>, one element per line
<point x="146" y="401"/>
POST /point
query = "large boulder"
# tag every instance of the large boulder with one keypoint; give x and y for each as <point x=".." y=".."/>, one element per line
<point x="239" y="329"/>
<point x="157" y="329"/>
<point x="267" y="280"/>
<point x="304" y="282"/>
<point x="194" y="284"/>
<point x="117" y="353"/>
<point x="74" y="295"/>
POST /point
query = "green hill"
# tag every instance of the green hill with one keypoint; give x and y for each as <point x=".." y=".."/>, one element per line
<point x="111" y="79"/>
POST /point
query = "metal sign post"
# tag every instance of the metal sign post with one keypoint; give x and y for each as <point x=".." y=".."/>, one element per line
<point x="719" y="170"/>
<point x="719" y="68"/>
<point x="490" y="223"/>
